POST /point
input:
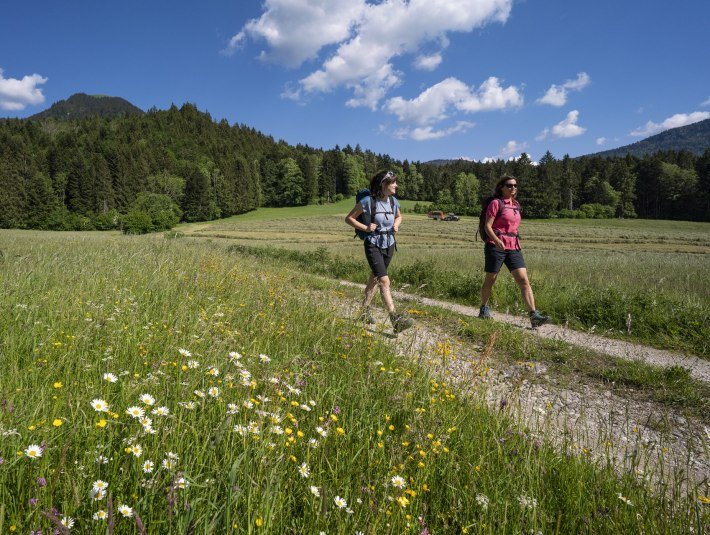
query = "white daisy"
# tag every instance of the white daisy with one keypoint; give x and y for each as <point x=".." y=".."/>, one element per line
<point x="67" y="522"/>
<point x="135" y="412"/>
<point x="315" y="491"/>
<point x="193" y="364"/>
<point x="304" y="470"/>
<point x="264" y="358"/>
<point x="33" y="451"/>
<point x="184" y="352"/>
<point x="147" y="399"/>
<point x="399" y="482"/>
<point x="99" y="485"/>
<point x="340" y="503"/>
<point x="111" y="378"/>
<point x="99" y="405"/>
<point x="160" y="411"/>
<point x="148" y="467"/>
<point x="100" y="515"/>
<point x="214" y="392"/>
<point x="125" y="510"/>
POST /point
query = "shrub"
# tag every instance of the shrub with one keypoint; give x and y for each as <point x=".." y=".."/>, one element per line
<point x="137" y="222"/>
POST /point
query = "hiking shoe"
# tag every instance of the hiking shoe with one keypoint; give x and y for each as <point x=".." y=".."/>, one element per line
<point x="485" y="313"/>
<point x="537" y="319"/>
<point x="366" y="316"/>
<point x="400" y="322"/>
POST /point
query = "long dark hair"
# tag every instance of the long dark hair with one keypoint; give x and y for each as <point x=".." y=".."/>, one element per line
<point x="380" y="180"/>
<point x="498" y="191"/>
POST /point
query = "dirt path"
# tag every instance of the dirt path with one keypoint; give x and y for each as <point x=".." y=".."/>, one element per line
<point x="641" y="437"/>
<point x="699" y="369"/>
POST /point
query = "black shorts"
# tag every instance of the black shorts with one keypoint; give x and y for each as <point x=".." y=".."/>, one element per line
<point x="495" y="258"/>
<point x="378" y="258"/>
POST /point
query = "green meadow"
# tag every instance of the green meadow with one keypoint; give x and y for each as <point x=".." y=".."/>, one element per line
<point x="641" y="280"/>
<point x="162" y="384"/>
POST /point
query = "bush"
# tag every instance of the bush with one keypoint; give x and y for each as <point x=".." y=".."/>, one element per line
<point x="598" y="211"/>
<point x="107" y="221"/>
<point x="137" y="222"/>
<point x="161" y="211"/>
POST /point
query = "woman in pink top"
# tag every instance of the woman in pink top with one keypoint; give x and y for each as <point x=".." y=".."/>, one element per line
<point x="503" y="247"/>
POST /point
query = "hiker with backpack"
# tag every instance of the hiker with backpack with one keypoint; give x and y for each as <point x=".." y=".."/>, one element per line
<point x="498" y="226"/>
<point x="376" y="219"/>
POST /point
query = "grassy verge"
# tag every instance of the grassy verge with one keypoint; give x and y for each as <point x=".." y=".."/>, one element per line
<point x="641" y="315"/>
<point x="267" y="414"/>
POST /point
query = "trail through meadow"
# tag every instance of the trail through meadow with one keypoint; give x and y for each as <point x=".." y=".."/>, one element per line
<point x="582" y="415"/>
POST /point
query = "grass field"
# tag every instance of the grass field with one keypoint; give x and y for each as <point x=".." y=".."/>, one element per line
<point x="646" y="281"/>
<point x="159" y="386"/>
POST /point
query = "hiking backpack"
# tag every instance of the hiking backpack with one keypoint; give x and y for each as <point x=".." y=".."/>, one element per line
<point x="482" y="217"/>
<point x="368" y="217"/>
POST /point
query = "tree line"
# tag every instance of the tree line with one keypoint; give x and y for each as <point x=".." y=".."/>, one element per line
<point x="148" y="172"/>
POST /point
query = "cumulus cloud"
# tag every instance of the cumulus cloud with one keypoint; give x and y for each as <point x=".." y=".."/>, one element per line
<point x="426" y="133"/>
<point x="17" y="94"/>
<point x="296" y="30"/>
<point x="601" y="140"/>
<point x="368" y="35"/>
<point x="512" y="147"/>
<point x="428" y="63"/>
<point x="436" y="103"/>
<point x="568" y="127"/>
<point x="674" y="121"/>
<point x="557" y="94"/>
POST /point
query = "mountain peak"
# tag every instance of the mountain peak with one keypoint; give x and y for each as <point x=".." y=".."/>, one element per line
<point x="81" y="106"/>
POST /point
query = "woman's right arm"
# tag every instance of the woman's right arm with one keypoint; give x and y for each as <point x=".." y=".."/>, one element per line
<point x="351" y="219"/>
<point x="491" y="233"/>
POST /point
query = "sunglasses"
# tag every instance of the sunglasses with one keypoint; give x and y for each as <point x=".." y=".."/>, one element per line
<point x="510" y="186"/>
<point x="389" y="174"/>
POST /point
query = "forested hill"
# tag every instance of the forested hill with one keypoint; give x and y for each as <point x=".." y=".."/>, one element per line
<point x="693" y="138"/>
<point x="179" y="164"/>
<point x="83" y="106"/>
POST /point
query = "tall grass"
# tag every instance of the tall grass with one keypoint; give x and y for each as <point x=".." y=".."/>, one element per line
<point x="278" y="416"/>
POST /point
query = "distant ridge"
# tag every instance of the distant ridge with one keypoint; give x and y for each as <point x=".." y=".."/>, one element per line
<point x="693" y="138"/>
<point x="82" y="106"/>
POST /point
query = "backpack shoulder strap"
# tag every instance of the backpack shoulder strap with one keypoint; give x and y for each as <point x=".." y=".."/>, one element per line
<point x="392" y="205"/>
<point x="501" y="207"/>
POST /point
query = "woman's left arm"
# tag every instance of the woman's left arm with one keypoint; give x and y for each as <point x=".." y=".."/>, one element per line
<point x="397" y="220"/>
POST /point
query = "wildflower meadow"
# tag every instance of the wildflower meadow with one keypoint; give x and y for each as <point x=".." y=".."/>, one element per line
<point x="161" y="386"/>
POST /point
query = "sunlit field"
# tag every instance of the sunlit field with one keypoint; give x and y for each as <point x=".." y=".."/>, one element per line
<point x="154" y="385"/>
<point x="644" y="280"/>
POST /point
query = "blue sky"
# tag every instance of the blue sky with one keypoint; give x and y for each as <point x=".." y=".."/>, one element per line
<point x="417" y="79"/>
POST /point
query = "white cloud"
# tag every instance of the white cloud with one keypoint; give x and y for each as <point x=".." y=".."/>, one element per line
<point x="557" y="94"/>
<point x="542" y="135"/>
<point x="17" y="94"/>
<point x="512" y="147"/>
<point x="674" y="121"/>
<point x="706" y="102"/>
<point x="428" y="63"/>
<point x="601" y="140"/>
<point x="368" y="34"/>
<point x="426" y="133"/>
<point x="296" y="30"/>
<point x="234" y="43"/>
<point x="568" y="127"/>
<point x="435" y="104"/>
